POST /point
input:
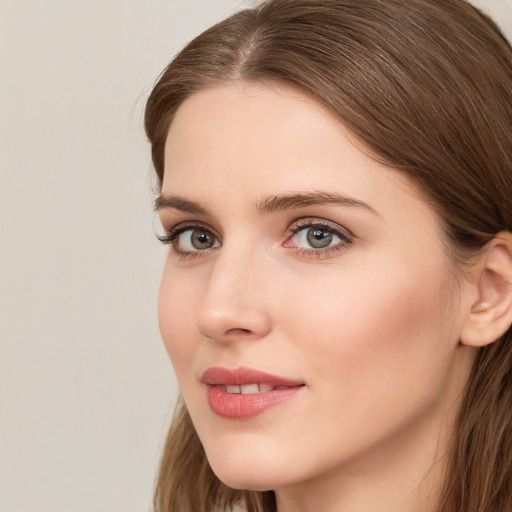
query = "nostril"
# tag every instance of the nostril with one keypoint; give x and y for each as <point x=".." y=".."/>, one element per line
<point x="239" y="331"/>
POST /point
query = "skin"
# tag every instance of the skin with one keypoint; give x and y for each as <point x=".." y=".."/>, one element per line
<point x="371" y="324"/>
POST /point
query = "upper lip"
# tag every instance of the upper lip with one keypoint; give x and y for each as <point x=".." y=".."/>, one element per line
<point x="217" y="375"/>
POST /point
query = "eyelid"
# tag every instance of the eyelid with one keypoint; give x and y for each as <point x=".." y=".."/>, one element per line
<point x="172" y="233"/>
<point x="344" y="234"/>
<point x="336" y="228"/>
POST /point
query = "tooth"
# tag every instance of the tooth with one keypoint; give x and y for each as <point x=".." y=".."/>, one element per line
<point x="264" y="388"/>
<point x="249" y="389"/>
<point x="233" y="389"/>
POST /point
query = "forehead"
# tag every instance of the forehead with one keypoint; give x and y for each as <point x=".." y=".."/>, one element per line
<point x="232" y="148"/>
<point x="268" y="140"/>
<point x="262" y="134"/>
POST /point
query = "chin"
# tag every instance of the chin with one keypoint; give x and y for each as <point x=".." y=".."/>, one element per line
<point x="238" y="469"/>
<point x="247" y="483"/>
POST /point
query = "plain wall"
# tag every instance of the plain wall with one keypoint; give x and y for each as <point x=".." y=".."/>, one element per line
<point x="86" y="389"/>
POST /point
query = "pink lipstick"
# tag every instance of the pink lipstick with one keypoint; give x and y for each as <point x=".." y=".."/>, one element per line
<point x="244" y="392"/>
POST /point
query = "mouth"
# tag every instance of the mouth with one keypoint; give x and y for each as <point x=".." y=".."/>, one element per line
<point x="250" y="389"/>
<point x="244" y="392"/>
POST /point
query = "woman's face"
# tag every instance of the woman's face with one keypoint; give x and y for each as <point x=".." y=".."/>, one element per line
<point x="296" y="255"/>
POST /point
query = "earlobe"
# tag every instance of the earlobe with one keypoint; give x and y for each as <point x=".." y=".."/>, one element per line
<point x="491" y="314"/>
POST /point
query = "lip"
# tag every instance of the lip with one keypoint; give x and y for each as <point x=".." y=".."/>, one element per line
<point x="242" y="406"/>
<point x="239" y="376"/>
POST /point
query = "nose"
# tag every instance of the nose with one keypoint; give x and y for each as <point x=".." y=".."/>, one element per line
<point x="235" y="304"/>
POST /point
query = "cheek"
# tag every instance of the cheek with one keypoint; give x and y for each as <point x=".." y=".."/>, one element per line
<point x="377" y="359"/>
<point x="364" y="333"/>
<point x="176" y="319"/>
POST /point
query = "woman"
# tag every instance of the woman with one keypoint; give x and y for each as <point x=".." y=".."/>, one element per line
<point x="336" y="183"/>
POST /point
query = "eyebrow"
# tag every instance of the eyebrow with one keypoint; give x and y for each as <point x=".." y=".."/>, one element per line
<point x="270" y="204"/>
<point x="303" y="199"/>
<point x="178" y="203"/>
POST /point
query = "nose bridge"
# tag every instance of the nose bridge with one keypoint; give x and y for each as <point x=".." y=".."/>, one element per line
<point x="234" y="303"/>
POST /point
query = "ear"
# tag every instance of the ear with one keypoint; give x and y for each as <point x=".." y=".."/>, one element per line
<point x="491" y="313"/>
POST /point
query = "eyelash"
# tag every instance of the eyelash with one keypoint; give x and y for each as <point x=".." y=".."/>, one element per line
<point x="171" y="236"/>
<point x="345" y="236"/>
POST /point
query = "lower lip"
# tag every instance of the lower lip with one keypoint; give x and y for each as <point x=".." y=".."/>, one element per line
<point x="238" y="407"/>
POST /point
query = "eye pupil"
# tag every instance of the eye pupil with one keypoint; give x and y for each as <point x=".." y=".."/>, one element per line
<point x="319" y="238"/>
<point x="201" y="239"/>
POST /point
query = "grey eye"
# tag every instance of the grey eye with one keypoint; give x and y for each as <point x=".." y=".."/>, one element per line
<point x="315" y="237"/>
<point x="319" y="238"/>
<point x="192" y="240"/>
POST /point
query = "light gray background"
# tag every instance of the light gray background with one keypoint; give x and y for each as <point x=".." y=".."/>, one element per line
<point x="86" y="390"/>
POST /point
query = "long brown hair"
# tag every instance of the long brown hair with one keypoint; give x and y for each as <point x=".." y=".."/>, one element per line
<point x="426" y="86"/>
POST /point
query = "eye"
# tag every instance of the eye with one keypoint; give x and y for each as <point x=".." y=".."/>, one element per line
<point x="187" y="239"/>
<point x="315" y="237"/>
<point x="318" y="237"/>
<point x="197" y="239"/>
